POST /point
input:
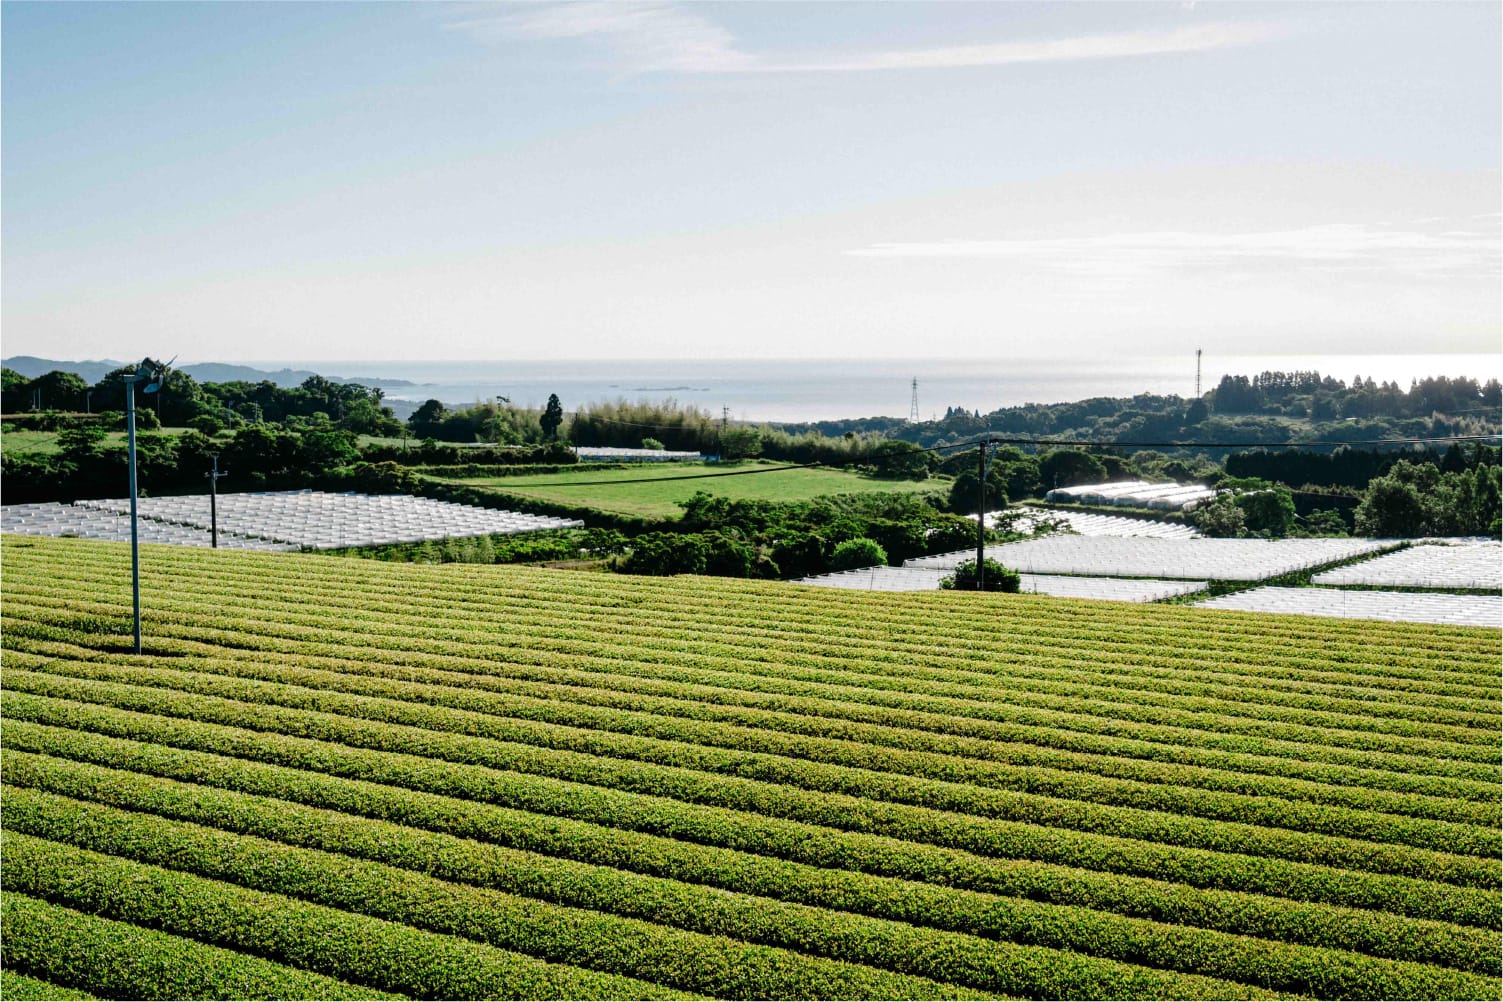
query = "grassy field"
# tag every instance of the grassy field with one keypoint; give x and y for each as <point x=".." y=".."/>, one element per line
<point x="337" y="778"/>
<point x="46" y="441"/>
<point x="655" y="490"/>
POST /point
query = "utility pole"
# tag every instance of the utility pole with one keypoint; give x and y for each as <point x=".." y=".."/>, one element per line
<point x="152" y="374"/>
<point x="725" y="417"/>
<point x="980" y="513"/>
<point x="1197" y="373"/>
<point x="214" y="499"/>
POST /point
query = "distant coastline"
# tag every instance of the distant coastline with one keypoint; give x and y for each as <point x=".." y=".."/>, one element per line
<point x="802" y="390"/>
<point x="93" y="370"/>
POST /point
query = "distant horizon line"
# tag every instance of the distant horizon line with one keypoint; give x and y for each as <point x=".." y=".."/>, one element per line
<point x="927" y="359"/>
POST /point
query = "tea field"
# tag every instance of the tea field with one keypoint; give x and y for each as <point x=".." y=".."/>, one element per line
<point x="334" y="778"/>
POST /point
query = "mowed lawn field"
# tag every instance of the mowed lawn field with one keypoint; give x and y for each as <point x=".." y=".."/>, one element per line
<point x="655" y="490"/>
<point x="333" y="778"/>
<point x="16" y="441"/>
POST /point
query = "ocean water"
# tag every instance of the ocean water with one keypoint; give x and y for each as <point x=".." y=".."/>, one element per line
<point x="804" y="390"/>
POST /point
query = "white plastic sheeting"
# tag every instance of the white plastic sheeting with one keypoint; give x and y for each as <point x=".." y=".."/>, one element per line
<point x="1398" y="606"/>
<point x="883" y="578"/>
<point x="53" y="519"/>
<point x="613" y="454"/>
<point x="327" y="521"/>
<point x="1460" y="565"/>
<point x="1184" y="500"/>
<point x="1096" y="493"/>
<point x="1088" y="523"/>
<point x="1165" y="496"/>
<point x="1198" y="559"/>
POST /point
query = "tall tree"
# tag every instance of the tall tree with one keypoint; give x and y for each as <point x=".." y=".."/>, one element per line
<point x="425" y="421"/>
<point x="552" y="416"/>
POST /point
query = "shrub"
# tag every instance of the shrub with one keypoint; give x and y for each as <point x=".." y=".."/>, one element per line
<point x="995" y="577"/>
<point x="1221" y="518"/>
<point x="664" y="553"/>
<point x="858" y="552"/>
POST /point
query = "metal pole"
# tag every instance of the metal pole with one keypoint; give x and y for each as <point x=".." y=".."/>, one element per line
<point x="980" y="513"/>
<point x="135" y="552"/>
<point x="214" y="504"/>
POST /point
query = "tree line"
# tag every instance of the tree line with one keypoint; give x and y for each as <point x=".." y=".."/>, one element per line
<point x="183" y="402"/>
<point x="272" y="437"/>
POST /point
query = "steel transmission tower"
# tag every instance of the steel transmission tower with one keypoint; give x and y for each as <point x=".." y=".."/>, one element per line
<point x="913" y="407"/>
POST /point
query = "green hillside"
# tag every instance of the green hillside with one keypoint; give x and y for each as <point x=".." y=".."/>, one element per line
<point x="339" y="778"/>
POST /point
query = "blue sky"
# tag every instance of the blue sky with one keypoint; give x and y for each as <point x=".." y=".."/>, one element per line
<point x="388" y="181"/>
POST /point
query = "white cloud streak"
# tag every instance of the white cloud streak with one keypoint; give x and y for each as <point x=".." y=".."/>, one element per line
<point x="1340" y="246"/>
<point x="1197" y="38"/>
<point x="644" y="37"/>
<point x="666" y="38"/>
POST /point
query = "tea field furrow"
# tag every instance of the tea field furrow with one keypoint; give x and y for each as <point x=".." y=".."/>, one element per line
<point x="905" y="732"/>
<point x="660" y="814"/>
<point x="20" y="987"/>
<point x="912" y="730"/>
<point x="721" y="967"/>
<point x="503" y="781"/>
<point x="1014" y="918"/>
<point x="1462" y="744"/>
<point x="1026" y="674"/>
<point x="642" y="590"/>
<point x="1249" y="700"/>
<point x="390" y="956"/>
<point x="958" y="959"/>
<point x="820" y="703"/>
<point x="813" y="639"/>
<point x="762" y="783"/>
<point x="966" y="960"/>
<point x="1134" y="676"/>
<point x="63" y="947"/>
<point x="1094" y="625"/>
<point x="1180" y="737"/>
<point x="318" y="687"/>
<point x="1349" y="642"/>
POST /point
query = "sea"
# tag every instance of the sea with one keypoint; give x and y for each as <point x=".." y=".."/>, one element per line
<point x="803" y="390"/>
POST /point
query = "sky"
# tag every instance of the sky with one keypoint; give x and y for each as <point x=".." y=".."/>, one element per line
<point x="305" y="181"/>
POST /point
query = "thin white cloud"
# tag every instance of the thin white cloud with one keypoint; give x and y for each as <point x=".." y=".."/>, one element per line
<point x="1341" y="246"/>
<point x="1194" y="38"/>
<point x="643" y="37"/>
<point x="668" y="38"/>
